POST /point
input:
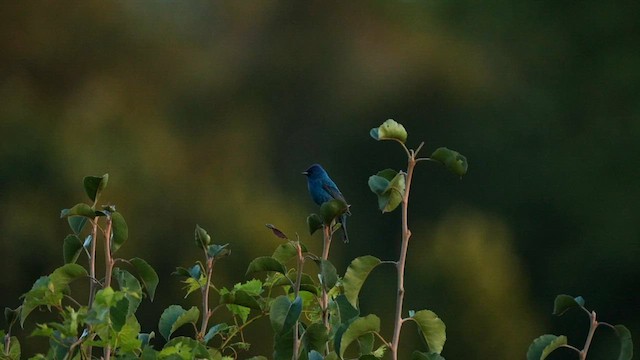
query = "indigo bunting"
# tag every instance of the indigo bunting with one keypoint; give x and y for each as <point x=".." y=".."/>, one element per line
<point x="323" y="189"/>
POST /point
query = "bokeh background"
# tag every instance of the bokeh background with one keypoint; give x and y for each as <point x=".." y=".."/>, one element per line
<point x="207" y="112"/>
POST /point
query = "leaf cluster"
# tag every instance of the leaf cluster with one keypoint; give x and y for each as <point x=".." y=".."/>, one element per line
<point x="544" y="345"/>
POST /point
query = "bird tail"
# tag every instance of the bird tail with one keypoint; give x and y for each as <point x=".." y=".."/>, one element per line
<point x="343" y="221"/>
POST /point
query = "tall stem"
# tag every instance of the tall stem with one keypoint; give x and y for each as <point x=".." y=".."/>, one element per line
<point x="206" y="312"/>
<point x="592" y="329"/>
<point x="7" y="342"/>
<point x="296" y="329"/>
<point x="324" y="299"/>
<point x="406" y="234"/>
<point x="108" y="270"/>
<point x="92" y="261"/>
<point x="326" y="230"/>
<point x="107" y="254"/>
<point x="92" y="270"/>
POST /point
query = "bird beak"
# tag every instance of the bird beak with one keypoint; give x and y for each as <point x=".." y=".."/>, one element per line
<point x="304" y="173"/>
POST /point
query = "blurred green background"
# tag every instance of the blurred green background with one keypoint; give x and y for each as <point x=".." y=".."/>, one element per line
<point x="207" y="112"/>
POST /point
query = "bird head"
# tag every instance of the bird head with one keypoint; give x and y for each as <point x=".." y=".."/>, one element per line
<point x="314" y="171"/>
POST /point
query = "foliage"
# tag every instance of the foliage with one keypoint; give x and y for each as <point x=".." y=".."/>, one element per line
<point x="314" y="313"/>
<point x="107" y="319"/>
<point x="544" y="345"/>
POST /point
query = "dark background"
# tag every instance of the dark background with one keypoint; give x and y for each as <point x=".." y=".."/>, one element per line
<point x="207" y="112"/>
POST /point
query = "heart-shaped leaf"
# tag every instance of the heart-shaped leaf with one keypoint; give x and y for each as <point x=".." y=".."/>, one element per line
<point x="355" y="276"/>
<point x="93" y="186"/>
<point x="544" y="345"/>
<point x="389" y="130"/>
<point x="452" y="160"/>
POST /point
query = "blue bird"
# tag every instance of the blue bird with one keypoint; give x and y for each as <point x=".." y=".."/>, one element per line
<point x="323" y="189"/>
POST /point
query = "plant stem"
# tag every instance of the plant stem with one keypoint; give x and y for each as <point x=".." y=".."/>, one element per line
<point x="296" y="329"/>
<point x="592" y="329"/>
<point x="326" y="232"/>
<point x="92" y="261"/>
<point x="7" y="343"/>
<point x="92" y="270"/>
<point x="406" y="234"/>
<point x="206" y="312"/>
<point x="324" y="304"/>
<point x="109" y="269"/>
<point x="107" y="254"/>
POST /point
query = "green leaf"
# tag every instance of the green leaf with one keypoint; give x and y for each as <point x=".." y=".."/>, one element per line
<point x="118" y="314"/>
<point x="342" y="312"/>
<point x="120" y="231"/>
<point x="378" y="184"/>
<point x="218" y="251"/>
<point x="100" y="313"/>
<point x="380" y="351"/>
<point x="62" y="276"/>
<point x="544" y="345"/>
<point x="315" y="337"/>
<point x="41" y="293"/>
<point x="186" y="347"/>
<point x="168" y="318"/>
<point x="451" y="159"/>
<point x="76" y="223"/>
<point x="71" y="248"/>
<point x="389" y="130"/>
<point x="293" y="314"/>
<point x="283" y="345"/>
<point x="355" y="276"/>
<point x="240" y="298"/>
<point x="563" y="303"/>
<point x="332" y="209"/>
<point x="626" y="343"/>
<point x="359" y="327"/>
<point x="180" y="271"/>
<point x="131" y="287"/>
<point x="393" y="196"/>
<point x="148" y="276"/>
<point x="417" y="355"/>
<point x="314" y="223"/>
<point x="328" y="274"/>
<point x="240" y="311"/>
<point x="285" y="252"/>
<point x="202" y="237"/>
<point x="146" y="338"/>
<point x="252" y="287"/>
<point x="366" y="343"/>
<point x="306" y="281"/>
<point x="389" y="185"/>
<point x="214" y="330"/>
<point x="284" y="313"/>
<point x="189" y="317"/>
<point x="432" y="328"/>
<point x="93" y="186"/>
<point x="127" y="338"/>
<point x="265" y="263"/>
<point x="81" y="209"/>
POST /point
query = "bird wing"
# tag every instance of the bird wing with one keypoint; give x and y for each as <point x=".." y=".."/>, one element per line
<point x="333" y="191"/>
<point x="336" y="194"/>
